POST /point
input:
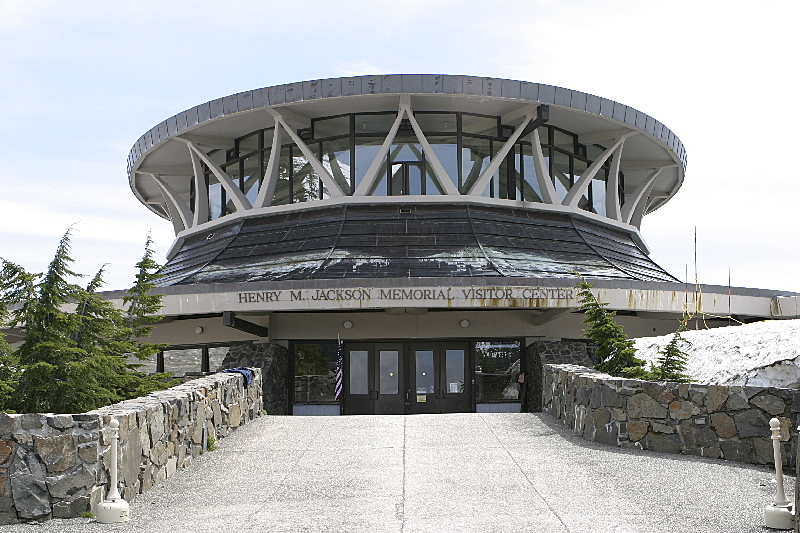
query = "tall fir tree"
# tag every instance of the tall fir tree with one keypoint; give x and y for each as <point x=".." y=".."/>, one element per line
<point x="74" y="361"/>
<point x="15" y="284"/>
<point x="615" y="352"/>
<point x="672" y="360"/>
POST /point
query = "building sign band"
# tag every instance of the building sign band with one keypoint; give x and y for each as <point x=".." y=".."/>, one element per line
<point x="421" y="294"/>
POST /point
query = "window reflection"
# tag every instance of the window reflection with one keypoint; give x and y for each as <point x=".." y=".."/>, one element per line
<point x="497" y="370"/>
<point x="315" y="372"/>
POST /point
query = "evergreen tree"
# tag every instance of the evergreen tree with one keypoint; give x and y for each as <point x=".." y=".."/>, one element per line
<point x="74" y="361"/>
<point x="615" y="352"/>
<point x="14" y="282"/>
<point x="672" y="363"/>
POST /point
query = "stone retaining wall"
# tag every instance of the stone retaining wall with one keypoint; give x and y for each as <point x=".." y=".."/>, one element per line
<point x="706" y="420"/>
<point x="273" y="360"/>
<point x="55" y="466"/>
<point x="540" y="353"/>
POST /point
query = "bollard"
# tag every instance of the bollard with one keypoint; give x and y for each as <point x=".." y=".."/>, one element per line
<point x="778" y="515"/>
<point x="113" y="509"/>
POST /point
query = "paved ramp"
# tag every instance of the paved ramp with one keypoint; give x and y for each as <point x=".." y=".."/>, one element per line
<point x="431" y="473"/>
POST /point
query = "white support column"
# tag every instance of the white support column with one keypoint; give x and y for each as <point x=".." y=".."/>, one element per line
<point x="372" y="173"/>
<point x="179" y="213"/>
<point x="333" y="187"/>
<point x="267" y="190"/>
<point x="200" y="191"/>
<point x="612" y="187"/>
<point x="440" y="174"/>
<point x="641" y="206"/>
<point x="483" y="180"/>
<point x="640" y="195"/>
<point x="546" y="187"/>
<point x="235" y="194"/>
<point x="576" y="191"/>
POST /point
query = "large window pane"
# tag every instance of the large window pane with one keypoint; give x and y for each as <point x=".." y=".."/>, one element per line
<point x="214" y="197"/>
<point x="561" y="173"/>
<point x="424" y="371"/>
<point x="414" y="176"/>
<point x="454" y="371"/>
<point x="331" y="127"/>
<point x="529" y="184"/>
<point x="564" y="141"/>
<point x="446" y="150"/>
<point x="479" y="125"/>
<point x="366" y="151"/>
<point x="497" y="369"/>
<point x="405" y="151"/>
<point x="432" y="186"/>
<point x="389" y="367"/>
<point x="578" y="168"/>
<point x="282" y="189"/>
<point x="436" y="122"/>
<point x="475" y="156"/>
<point x="366" y="124"/>
<point x="359" y="381"/>
<point x="249" y="144"/>
<point x="396" y="179"/>
<point x="336" y="160"/>
<point x="599" y="192"/>
<point x="315" y="372"/>
<point x="305" y="181"/>
<point x="593" y="151"/>
<point x="251" y="177"/>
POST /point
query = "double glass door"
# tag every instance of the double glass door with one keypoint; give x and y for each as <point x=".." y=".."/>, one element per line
<point x="398" y="378"/>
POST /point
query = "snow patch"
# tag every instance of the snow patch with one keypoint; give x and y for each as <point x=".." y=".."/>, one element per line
<point x="761" y="354"/>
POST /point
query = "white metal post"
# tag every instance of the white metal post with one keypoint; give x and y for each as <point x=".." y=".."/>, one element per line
<point x="778" y="515"/>
<point x="113" y="509"/>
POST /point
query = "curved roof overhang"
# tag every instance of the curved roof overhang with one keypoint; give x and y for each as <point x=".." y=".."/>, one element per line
<point x="652" y="153"/>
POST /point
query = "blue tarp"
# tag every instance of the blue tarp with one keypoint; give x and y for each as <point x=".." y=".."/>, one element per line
<point x="244" y="371"/>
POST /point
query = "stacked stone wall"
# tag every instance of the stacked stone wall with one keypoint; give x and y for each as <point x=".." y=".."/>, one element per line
<point x="273" y="360"/>
<point x="55" y="465"/>
<point x="540" y="353"/>
<point x="724" y="422"/>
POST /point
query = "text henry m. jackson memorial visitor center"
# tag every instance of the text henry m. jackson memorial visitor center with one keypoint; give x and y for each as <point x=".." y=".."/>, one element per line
<point x="433" y="224"/>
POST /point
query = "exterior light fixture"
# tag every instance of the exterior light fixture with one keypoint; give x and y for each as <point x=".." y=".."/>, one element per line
<point x="347" y="324"/>
<point x="465" y="323"/>
<point x="198" y="330"/>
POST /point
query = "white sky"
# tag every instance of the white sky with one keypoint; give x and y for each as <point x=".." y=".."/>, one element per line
<point x="81" y="81"/>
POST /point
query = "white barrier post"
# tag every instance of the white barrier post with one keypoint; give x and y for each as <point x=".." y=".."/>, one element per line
<point x="113" y="509"/>
<point x="778" y="515"/>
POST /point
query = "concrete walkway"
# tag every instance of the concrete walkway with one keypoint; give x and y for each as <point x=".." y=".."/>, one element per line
<point x="430" y="473"/>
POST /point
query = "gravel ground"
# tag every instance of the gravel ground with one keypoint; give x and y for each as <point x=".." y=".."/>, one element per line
<point x="423" y="473"/>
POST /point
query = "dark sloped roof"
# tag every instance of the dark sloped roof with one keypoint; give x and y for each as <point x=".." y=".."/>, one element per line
<point x="391" y="241"/>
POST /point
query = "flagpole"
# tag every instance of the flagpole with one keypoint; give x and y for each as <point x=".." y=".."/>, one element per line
<point x="339" y="371"/>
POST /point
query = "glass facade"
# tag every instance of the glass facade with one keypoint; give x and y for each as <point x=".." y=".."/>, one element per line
<point x="463" y="143"/>
<point x="497" y="371"/>
<point x="315" y="373"/>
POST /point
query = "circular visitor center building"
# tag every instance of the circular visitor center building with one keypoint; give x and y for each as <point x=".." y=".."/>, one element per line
<point x="429" y="226"/>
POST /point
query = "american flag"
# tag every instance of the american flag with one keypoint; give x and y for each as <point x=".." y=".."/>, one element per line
<point x="339" y="360"/>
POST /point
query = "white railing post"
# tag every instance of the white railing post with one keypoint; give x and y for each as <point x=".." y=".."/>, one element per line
<point x="778" y="515"/>
<point x="113" y="509"/>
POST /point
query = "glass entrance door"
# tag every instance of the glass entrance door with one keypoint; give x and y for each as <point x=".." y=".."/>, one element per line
<point x="373" y="381"/>
<point x="438" y="378"/>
